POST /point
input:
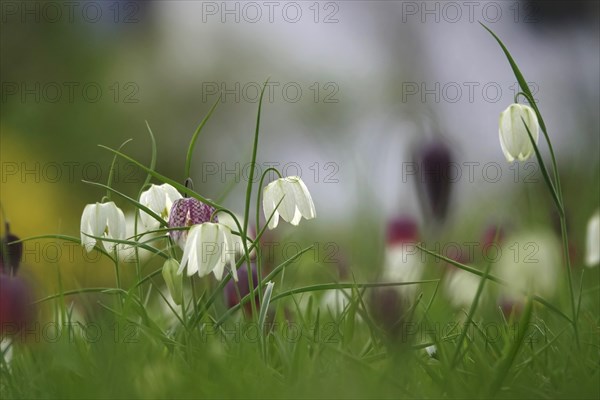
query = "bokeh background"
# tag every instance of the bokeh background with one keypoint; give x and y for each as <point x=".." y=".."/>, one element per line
<point x="354" y="88"/>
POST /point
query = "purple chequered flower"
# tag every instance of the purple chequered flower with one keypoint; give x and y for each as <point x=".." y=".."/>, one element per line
<point x="186" y="212"/>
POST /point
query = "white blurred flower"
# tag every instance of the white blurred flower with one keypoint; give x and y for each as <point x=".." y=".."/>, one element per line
<point x="208" y="248"/>
<point x="102" y="220"/>
<point x="461" y="287"/>
<point x="592" y="249"/>
<point x="160" y="199"/>
<point x="403" y="264"/>
<point x="297" y="202"/>
<point x="530" y="263"/>
<point x="514" y="139"/>
<point x="227" y="220"/>
<point x="335" y="300"/>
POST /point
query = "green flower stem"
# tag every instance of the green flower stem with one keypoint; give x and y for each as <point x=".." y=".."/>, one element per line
<point x="258" y="252"/>
<point x="138" y="267"/>
<point x="253" y="164"/>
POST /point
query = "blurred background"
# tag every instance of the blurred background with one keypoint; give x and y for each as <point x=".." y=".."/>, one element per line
<point x="355" y="89"/>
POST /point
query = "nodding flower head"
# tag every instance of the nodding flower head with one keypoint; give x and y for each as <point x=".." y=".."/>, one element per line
<point x="102" y="220"/>
<point x="435" y="180"/>
<point x="158" y="198"/>
<point x="289" y="198"/>
<point x="186" y="212"/>
<point x="514" y="139"/>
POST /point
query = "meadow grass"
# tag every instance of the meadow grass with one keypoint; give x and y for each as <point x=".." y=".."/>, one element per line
<point x="139" y="344"/>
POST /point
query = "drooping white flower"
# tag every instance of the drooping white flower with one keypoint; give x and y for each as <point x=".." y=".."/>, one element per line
<point x="514" y="139"/>
<point x="530" y="263"/>
<point x="297" y="202"/>
<point x="238" y="244"/>
<point x="160" y="199"/>
<point x="209" y="248"/>
<point x="102" y="220"/>
<point x="402" y="262"/>
<point x="592" y="249"/>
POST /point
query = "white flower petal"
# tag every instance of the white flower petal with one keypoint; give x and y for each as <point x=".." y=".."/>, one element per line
<point x="269" y="205"/>
<point x="592" y="250"/>
<point x="171" y="194"/>
<point x="303" y="198"/>
<point x="230" y="252"/>
<point x="287" y="209"/>
<point x="208" y="248"/>
<point x="297" y="217"/>
<point x="87" y="219"/>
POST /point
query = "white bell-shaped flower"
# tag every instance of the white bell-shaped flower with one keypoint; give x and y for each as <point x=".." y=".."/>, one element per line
<point x="208" y="248"/>
<point x="297" y="202"/>
<point x="514" y="139"/>
<point x="160" y="199"/>
<point x="592" y="248"/>
<point x="403" y="262"/>
<point x="102" y="220"/>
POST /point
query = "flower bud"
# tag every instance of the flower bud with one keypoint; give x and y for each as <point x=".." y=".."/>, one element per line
<point x="10" y="254"/>
<point x="435" y="161"/>
<point x="173" y="280"/>
<point x="186" y="212"/>
<point x="514" y="139"/>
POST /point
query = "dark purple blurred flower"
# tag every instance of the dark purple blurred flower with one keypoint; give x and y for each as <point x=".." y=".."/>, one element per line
<point x="186" y="212"/>
<point x="435" y="183"/>
<point x="15" y="308"/>
<point x="10" y="255"/>
<point x="402" y="230"/>
<point x="388" y="309"/>
<point x="243" y="286"/>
